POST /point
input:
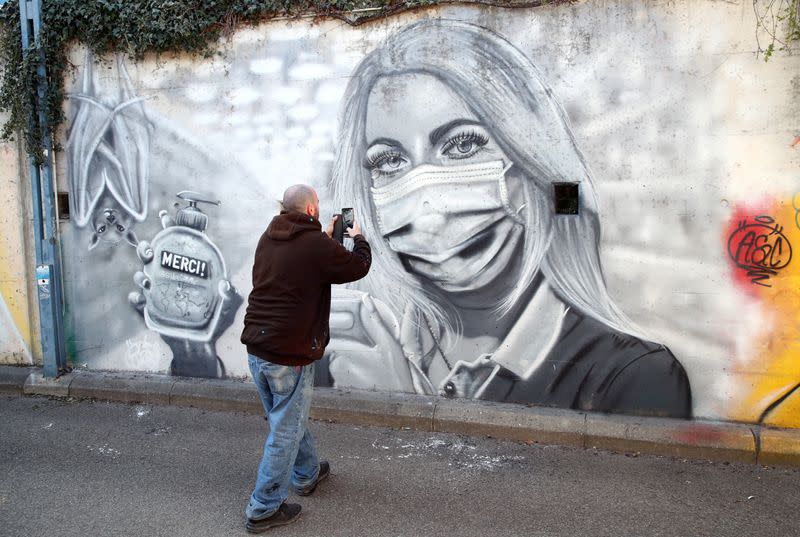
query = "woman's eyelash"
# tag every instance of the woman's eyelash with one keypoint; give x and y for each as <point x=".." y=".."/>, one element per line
<point x="375" y="160"/>
<point x="479" y="138"/>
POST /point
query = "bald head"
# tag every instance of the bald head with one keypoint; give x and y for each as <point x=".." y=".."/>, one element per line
<point x="301" y="199"/>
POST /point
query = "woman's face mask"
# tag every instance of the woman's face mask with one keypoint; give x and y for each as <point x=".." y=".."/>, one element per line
<point x="454" y="225"/>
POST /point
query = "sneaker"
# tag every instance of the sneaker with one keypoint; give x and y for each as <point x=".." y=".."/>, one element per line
<point x="324" y="472"/>
<point x="286" y="514"/>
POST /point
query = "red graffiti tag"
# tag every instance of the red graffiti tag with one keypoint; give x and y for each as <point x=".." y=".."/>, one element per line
<point x="760" y="248"/>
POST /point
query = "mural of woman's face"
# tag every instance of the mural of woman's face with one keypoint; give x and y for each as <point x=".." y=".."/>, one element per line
<point x="447" y="202"/>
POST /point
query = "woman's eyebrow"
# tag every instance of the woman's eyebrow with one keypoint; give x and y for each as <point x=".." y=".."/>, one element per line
<point x="385" y="141"/>
<point x="440" y="131"/>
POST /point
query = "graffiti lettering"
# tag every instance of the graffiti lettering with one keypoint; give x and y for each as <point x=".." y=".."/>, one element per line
<point x="184" y="264"/>
<point x="760" y="248"/>
<point x="142" y="352"/>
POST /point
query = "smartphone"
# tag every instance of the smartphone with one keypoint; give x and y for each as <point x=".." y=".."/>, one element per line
<point x="347" y="217"/>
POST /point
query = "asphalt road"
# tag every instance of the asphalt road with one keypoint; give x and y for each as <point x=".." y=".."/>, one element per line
<point x="92" y="468"/>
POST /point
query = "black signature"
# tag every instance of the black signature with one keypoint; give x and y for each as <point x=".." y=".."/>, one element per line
<point x="760" y="248"/>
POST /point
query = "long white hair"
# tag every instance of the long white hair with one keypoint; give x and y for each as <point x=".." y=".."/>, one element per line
<point x="503" y="88"/>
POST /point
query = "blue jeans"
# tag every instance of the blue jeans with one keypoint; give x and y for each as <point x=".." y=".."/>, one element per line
<point x="289" y="451"/>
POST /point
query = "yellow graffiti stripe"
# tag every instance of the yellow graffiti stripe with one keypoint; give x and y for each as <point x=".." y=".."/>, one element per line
<point x="787" y="413"/>
<point x="777" y="351"/>
<point x="12" y="277"/>
<point x="17" y="308"/>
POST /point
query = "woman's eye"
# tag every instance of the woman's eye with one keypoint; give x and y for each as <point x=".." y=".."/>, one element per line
<point x="387" y="162"/>
<point x="393" y="162"/>
<point x="464" y="145"/>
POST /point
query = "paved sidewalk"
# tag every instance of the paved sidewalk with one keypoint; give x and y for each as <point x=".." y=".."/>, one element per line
<point x="77" y="468"/>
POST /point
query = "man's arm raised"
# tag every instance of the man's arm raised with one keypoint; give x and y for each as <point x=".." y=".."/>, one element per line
<point x="339" y="264"/>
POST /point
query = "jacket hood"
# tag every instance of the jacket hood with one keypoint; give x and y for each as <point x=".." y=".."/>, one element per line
<point x="289" y="223"/>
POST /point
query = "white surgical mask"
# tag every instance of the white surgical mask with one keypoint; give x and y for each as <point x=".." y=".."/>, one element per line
<point x="434" y="213"/>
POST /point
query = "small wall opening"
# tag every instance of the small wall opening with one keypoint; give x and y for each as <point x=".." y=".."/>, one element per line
<point x="566" y="198"/>
<point x="62" y="205"/>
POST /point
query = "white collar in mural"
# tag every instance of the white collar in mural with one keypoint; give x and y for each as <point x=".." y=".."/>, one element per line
<point x="541" y="320"/>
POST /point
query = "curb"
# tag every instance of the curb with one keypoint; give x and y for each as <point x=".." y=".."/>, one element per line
<point x="692" y="439"/>
<point x="511" y="422"/>
<point x="12" y="379"/>
<point x="695" y="439"/>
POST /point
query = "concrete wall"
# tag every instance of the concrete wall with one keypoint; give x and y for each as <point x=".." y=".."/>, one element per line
<point x="678" y="136"/>
<point x="18" y="335"/>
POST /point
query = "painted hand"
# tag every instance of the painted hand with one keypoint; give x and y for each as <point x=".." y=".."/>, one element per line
<point x="365" y="350"/>
<point x="190" y="357"/>
<point x="137" y="298"/>
<point x="230" y="302"/>
<point x="230" y="299"/>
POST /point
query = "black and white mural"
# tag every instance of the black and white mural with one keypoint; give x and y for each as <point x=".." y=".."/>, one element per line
<point x="179" y="296"/>
<point x="450" y="147"/>
<point x="540" y="201"/>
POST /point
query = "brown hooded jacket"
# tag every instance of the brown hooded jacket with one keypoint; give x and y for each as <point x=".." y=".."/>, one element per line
<point x="288" y="309"/>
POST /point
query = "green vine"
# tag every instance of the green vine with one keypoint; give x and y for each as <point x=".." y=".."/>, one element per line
<point x="779" y="21"/>
<point x="143" y="27"/>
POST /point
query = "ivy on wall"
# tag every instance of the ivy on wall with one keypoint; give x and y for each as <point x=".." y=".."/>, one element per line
<point x="779" y="22"/>
<point x="148" y="26"/>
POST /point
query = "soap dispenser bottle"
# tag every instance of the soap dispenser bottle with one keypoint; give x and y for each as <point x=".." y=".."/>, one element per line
<point x="184" y="277"/>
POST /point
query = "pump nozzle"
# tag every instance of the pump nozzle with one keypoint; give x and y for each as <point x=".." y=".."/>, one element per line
<point x="194" y="198"/>
<point x="191" y="216"/>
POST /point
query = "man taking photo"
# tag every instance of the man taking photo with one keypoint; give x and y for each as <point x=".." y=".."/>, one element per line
<point x="286" y="331"/>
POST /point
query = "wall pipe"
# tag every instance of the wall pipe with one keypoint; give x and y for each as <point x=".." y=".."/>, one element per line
<point x="45" y="220"/>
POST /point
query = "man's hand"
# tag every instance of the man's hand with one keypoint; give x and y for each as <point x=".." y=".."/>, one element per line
<point x="353" y="231"/>
<point x="329" y="230"/>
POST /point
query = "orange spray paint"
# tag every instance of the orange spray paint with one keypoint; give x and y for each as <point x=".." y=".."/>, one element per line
<point x="763" y="248"/>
